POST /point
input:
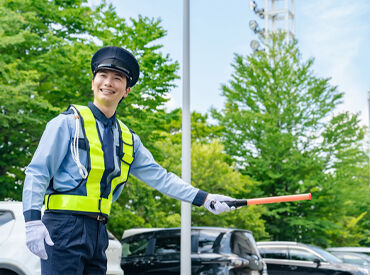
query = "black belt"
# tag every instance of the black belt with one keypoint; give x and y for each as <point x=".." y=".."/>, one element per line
<point x="97" y="217"/>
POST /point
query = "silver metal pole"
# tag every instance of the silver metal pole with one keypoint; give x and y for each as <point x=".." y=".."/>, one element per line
<point x="186" y="145"/>
<point x="293" y="19"/>
<point x="267" y="18"/>
<point x="287" y="21"/>
<point x="273" y="17"/>
<point x="368" y="130"/>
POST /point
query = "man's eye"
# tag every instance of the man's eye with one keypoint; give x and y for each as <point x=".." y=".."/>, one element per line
<point x="118" y="78"/>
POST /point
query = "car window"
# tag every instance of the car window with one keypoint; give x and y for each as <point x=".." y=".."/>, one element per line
<point x="301" y="255"/>
<point x="5" y="217"/>
<point x="209" y="240"/>
<point x="274" y="252"/>
<point x="134" y="246"/>
<point x="352" y="258"/>
<point x="325" y="254"/>
<point x="243" y="244"/>
<point x="166" y="245"/>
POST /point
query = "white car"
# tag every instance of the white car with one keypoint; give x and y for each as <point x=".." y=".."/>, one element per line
<point x="15" y="258"/>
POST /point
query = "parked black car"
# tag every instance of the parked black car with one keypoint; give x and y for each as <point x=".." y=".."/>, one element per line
<point x="296" y="258"/>
<point x="213" y="251"/>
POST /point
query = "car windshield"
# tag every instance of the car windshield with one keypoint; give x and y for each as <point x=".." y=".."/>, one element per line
<point x="326" y="255"/>
<point x="243" y="244"/>
<point x="209" y="241"/>
<point x="134" y="246"/>
<point x="5" y="216"/>
<point x="167" y="244"/>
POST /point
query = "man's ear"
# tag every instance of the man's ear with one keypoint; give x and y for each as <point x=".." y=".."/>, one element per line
<point x="126" y="92"/>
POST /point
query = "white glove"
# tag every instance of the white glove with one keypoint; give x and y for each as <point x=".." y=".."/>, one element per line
<point x="36" y="233"/>
<point x="218" y="206"/>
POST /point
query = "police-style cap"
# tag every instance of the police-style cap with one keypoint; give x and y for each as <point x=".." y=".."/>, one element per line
<point x="116" y="59"/>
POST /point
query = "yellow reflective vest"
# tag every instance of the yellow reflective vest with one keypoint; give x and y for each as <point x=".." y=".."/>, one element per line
<point x="93" y="202"/>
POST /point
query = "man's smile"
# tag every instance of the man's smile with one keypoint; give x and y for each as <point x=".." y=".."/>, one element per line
<point x="105" y="91"/>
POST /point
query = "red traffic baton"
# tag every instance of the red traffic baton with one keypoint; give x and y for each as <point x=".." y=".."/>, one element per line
<point x="239" y="203"/>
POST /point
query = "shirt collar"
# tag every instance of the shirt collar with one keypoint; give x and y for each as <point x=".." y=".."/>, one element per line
<point x="99" y="115"/>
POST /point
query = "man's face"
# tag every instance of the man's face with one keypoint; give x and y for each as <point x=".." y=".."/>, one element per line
<point x="109" y="88"/>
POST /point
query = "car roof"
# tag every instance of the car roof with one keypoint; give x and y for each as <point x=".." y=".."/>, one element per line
<point x="359" y="254"/>
<point x="279" y="243"/>
<point x="133" y="231"/>
<point x="349" y="249"/>
<point x="10" y="204"/>
<point x="14" y="206"/>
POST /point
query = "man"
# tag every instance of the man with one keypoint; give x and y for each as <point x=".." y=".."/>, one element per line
<point x="80" y="166"/>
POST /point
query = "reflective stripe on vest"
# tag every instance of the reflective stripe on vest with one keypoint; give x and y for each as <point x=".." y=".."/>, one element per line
<point x="93" y="202"/>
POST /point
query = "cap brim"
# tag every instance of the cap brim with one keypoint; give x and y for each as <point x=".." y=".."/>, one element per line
<point x="112" y="69"/>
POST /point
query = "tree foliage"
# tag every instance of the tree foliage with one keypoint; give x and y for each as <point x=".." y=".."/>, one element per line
<point x="276" y="129"/>
<point x="210" y="172"/>
<point x="46" y="48"/>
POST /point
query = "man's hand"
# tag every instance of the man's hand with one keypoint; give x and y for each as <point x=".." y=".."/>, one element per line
<point x="36" y="233"/>
<point x="218" y="206"/>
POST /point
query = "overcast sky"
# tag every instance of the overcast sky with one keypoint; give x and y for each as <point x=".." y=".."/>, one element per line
<point x="335" y="32"/>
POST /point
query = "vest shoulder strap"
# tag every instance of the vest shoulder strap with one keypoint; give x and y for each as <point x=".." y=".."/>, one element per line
<point x="84" y="111"/>
<point x="126" y="133"/>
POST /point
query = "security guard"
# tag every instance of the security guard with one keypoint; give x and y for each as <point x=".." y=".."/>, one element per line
<point x="80" y="167"/>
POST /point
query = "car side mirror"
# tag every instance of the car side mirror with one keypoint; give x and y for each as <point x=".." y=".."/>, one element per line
<point x="317" y="262"/>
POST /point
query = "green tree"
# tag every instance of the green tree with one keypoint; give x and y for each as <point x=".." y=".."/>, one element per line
<point x="23" y="112"/>
<point x="274" y="120"/>
<point x="348" y="169"/>
<point x="201" y="130"/>
<point x="210" y="172"/>
<point x="143" y="109"/>
<point x="46" y="48"/>
<point x="213" y="174"/>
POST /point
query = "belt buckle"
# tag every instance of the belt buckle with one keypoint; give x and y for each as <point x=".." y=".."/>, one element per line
<point x="100" y="218"/>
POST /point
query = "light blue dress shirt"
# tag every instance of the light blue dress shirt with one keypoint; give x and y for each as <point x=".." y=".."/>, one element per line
<point x="53" y="160"/>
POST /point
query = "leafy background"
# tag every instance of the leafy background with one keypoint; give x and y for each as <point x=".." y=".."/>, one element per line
<point x="276" y="133"/>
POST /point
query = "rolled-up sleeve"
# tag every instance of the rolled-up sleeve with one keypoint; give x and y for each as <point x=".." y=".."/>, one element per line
<point x="145" y="168"/>
<point x="50" y="153"/>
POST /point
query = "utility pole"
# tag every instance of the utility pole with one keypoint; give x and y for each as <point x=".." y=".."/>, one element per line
<point x="185" y="264"/>
<point x="368" y="130"/>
